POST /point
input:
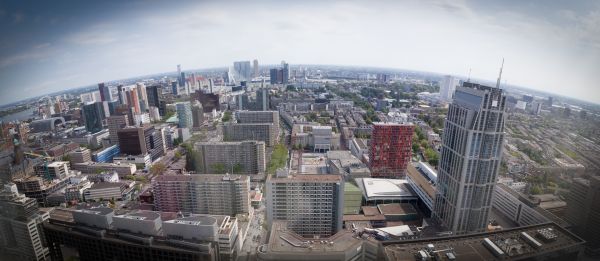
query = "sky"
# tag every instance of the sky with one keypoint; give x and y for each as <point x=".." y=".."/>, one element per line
<point x="48" y="46"/>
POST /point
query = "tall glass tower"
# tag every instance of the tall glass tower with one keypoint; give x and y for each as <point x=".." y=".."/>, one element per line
<point x="470" y="158"/>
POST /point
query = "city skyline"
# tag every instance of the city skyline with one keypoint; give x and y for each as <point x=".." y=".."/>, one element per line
<point x="546" y="46"/>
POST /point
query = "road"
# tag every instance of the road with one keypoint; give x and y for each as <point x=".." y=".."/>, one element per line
<point x="257" y="235"/>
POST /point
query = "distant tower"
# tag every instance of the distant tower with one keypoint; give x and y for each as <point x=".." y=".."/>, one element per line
<point x="447" y="86"/>
<point x="104" y="92"/>
<point x="470" y="158"/>
<point x="256" y="71"/>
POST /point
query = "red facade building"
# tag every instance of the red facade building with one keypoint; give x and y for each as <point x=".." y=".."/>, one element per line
<point x="390" y="150"/>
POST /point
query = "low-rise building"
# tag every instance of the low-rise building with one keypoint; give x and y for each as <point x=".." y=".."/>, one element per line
<point x="422" y="179"/>
<point x="284" y="244"/>
<point x="123" y="169"/>
<point x="140" y="235"/>
<point x="105" y="191"/>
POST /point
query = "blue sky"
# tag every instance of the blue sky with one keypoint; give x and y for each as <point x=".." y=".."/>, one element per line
<point x="48" y="46"/>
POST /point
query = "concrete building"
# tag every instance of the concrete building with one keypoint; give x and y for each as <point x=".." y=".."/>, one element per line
<point x="115" y="123"/>
<point x="141" y="235"/>
<point x="141" y="141"/>
<point x="470" y="158"/>
<point x="202" y="194"/>
<point x="243" y="157"/>
<point x="140" y="161"/>
<point x="285" y="245"/>
<point x="105" y="191"/>
<point x="258" y="117"/>
<point x="515" y="207"/>
<point x="422" y="179"/>
<point x="40" y="189"/>
<point x="80" y="155"/>
<point x="352" y="199"/>
<point x="184" y="114"/>
<point x="265" y="132"/>
<point x="539" y="242"/>
<point x="390" y="149"/>
<point x="359" y="148"/>
<point x="52" y="170"/>
<point x="312" y="205"/>
<point x="384" y="191"/>
<point x="583" y="212"/>
<point x="21" y="234"/>
<point x="197" y="115"/>
<point x="123" y="169"/>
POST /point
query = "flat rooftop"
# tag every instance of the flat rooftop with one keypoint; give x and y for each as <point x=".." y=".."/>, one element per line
<point x="385" y="189"/>
<point x="397" y="209"/>
<point x="549" y="237"/>
<point x="285" y="241"/>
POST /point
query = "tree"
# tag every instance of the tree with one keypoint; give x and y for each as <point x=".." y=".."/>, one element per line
<point x="237" y="169"/>
<point x="226" y="116"/>
<point x="219" y="168"/>
<point x="157" y="169"/>
<point x="177" y="155"/>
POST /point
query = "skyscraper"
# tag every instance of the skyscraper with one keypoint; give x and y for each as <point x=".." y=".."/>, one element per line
<point x="174" y="88"/>
<point x="184" y="113"/>
<point x="285" y="72"/>
<point x="255" y="68"/>
<point x="243" y="69"/>
<point x="447" y="87"/>
<point x="93" y="114"/>
<point x="154" y="94"/>
<point x="142" y="96"/>
<point x="115" y="123"/>
<point x="197" y="114"/>
<point x="21" y="233"/>
<point x="470" y="158"/>
<point x="391" y="149"/>
<point x="104" y="92"/>
<point x="583" y="212"/>
<point x="141" y="141"/>
<point x="263" y="99"/>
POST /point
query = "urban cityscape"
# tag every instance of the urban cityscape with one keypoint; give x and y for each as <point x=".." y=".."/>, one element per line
<point x="240" y="159"/>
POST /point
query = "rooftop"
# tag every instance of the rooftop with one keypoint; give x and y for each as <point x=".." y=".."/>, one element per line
<point x="511" y="243"/>
<point x="379" y="189"/>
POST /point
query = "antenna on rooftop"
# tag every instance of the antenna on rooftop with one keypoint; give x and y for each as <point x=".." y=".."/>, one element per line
<point x="500" y="75"/>
<point x="469" y="78"/>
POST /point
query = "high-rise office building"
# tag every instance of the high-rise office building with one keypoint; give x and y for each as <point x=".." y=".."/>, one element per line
<point x="141" y="141"/>
<point x="184" y="113"/>
<point x="105" y="94"/>
<point x="255" y="68"/>
<point x="197" y="114"/>
<point x="312" y="205"/>
<point x="273" y="75"/>
<point x="93" y="115"/>
<point x="21" y="233"/>
<point x="285" y="70"/>
<point x="120" y="93"/>
<point x="243" y="69"/>
<point x="142" y="96"/>
<point x="242" y="157"/>
<point x="583" y="211"/>
<point x="470" y="158"/>
<point x="390" y="149"/>
<point x="447" y="86"/>
<point x="202" y="194"/>
<point x="154" y="95"/>
<point x="115" y="123"/>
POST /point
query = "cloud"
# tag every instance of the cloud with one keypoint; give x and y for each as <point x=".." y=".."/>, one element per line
<point x="37" y="52"/>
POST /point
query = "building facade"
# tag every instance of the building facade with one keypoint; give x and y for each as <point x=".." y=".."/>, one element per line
<point x="390" y="149"/>
<point x="242" y="157"/>
<point x="141" y="141"/>
<point x="312" y="205"/>
<point x="202" y="194"/>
